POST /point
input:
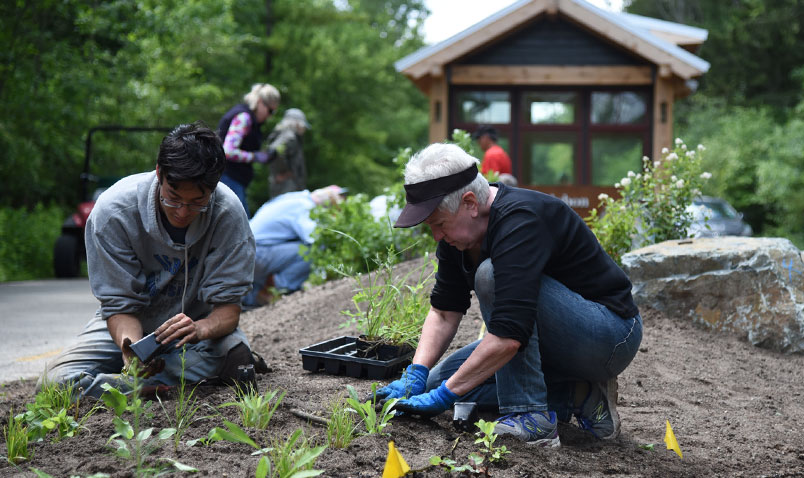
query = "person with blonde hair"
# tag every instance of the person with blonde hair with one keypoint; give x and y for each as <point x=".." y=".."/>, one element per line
<point x="239" y="130"/>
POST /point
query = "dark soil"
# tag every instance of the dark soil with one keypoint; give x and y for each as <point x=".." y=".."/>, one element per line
<point x="736" y="410"/>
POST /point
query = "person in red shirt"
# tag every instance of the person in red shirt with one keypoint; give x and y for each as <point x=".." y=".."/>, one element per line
<point x="495" y="158"/>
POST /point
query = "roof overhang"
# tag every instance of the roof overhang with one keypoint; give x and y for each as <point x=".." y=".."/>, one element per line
<point x="645" y="37"/>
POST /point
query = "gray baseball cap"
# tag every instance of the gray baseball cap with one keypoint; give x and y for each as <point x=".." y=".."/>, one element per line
<point x="297" y="114"/>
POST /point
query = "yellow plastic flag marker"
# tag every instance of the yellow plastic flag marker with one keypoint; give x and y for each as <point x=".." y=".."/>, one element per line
<point x="670" y="439"/>
<point x="395" y="466"/>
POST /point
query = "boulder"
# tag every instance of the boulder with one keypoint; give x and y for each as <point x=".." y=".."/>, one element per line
<point x="753" y="287"/>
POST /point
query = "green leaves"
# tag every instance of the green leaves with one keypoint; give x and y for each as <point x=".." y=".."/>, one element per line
<point x="654" y="202"/>
<point x="374" y="421"/>
<point x="256" y="409"/>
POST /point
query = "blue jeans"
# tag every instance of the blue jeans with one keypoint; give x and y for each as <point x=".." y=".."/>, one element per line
<point x="239" y="189"/>
<point x="95" y="359"/>
<point x="289" y="269"/>
<point x="573" y="340"/>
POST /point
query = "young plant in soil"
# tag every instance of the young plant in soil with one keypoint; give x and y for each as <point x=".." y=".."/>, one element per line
<point x="54" y="409"/>
<point x="132" y="442"/>
<point x="391" y="310"/>
<point x="292" y="458"/>
<point x="184" y="410"/>
<point x="341" y="426"/>
<point x="255" y="409"/>
<point x="487" y="437"/>
<point x="452" y="466"/>
<point x="490" y="453"/>
<point x="16" y="435"/>
<point x="374" y="421"/>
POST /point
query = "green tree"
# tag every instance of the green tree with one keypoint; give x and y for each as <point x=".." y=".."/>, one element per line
<point x="754" y="46"/>
<point x="336" y="64"/>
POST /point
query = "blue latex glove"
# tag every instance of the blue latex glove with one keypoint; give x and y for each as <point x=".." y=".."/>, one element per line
<point x="413" y="382"/>
<point x="428" y="404"/>
<point x="261" y="157"/>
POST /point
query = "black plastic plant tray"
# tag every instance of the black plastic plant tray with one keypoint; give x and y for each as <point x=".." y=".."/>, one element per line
<point x="338" y="357"/>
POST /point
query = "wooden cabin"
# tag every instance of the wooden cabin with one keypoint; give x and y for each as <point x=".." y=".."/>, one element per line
<point x="578" y="94"/>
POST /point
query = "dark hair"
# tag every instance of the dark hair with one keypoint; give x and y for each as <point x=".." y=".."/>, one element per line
<point x="483" y="130"/>
<point x="191" y="152"/>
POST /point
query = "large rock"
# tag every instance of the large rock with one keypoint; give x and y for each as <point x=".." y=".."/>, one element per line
<point x="750" y="286"/>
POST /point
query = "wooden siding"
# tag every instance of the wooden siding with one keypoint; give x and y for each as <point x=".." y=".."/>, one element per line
<point x="550" y="75"/>
<point x="551" y="40"/>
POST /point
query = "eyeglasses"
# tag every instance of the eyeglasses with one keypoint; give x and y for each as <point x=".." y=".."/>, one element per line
<point x="177" y="204"/>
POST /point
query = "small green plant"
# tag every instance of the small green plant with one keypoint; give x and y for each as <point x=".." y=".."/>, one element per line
<point x="132" y="442"/>
<point x="374" y="421"/>
<point x="487" y="437"/>
<point x="232" y="433"/>
<point x="256" y="409"/>
<point x="293" y="458"/>
<point x="42" y="474"/>
<point x="390" y="309"/>
<point x="16" y="435"/>
<point x="54" y="410"/>
<point x="184" y="410"/>
<point x="654" y="203"/>
<point x="341" y="426"/>
<point x="452" y="466"/>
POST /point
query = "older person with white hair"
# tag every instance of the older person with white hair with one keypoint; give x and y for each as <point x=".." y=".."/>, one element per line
<point x="561" y="322"/>
<point x="239" y="130"/>
<point x="288" y="171"/>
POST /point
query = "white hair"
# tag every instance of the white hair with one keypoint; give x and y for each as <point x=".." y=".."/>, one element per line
<point x="442" y="159"/>
<point x="262" y="91"/>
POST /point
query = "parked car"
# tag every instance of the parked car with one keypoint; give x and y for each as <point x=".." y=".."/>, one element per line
<point x="714" y="217"/>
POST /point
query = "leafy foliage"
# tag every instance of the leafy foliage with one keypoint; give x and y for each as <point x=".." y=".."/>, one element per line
<point x="293" y="458"/>
<point x="486" y="437"/>
<point x="131" y="440"/>
<point x="26" y="241"/>
<point x="653" y="204"/>
<point x="15" y="433"/>
<point x="374" y="421"/>
<point x="389" y="308"/>
<point x="256" y="410"/>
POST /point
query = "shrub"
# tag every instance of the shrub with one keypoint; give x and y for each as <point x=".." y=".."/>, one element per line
<point x="26" y="241"/>
<point x="653" y="204"/>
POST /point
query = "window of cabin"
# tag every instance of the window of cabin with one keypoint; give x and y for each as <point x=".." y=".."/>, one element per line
<point x="562" y="136"/>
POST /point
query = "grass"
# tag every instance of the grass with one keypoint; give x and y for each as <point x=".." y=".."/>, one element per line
<point x="341" y="426"/>
<point x="184" y="410"/>
<point x="256" y="410"/>
<point x="16" y="435"/>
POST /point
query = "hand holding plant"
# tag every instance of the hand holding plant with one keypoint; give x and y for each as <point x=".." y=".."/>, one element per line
<point x="413" y="382"/>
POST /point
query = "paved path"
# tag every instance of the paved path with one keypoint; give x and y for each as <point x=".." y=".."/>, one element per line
<point x="39" y="319"/>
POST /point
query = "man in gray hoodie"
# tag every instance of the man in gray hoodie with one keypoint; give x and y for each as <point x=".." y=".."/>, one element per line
<point x="169" y="252"/>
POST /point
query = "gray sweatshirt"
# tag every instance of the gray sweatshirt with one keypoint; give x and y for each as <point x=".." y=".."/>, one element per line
<point x="135" y="267"/>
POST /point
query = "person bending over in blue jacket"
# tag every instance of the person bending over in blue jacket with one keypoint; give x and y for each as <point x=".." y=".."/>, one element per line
<point x="169" y="252"/>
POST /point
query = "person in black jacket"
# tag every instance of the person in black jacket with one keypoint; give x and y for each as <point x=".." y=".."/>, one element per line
<point x="239" y="130"/>
<point x="561" y="321"/>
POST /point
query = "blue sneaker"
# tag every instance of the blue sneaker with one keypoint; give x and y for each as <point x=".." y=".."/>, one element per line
<point x="598" y="413"/>
<point x="535" y="428"/>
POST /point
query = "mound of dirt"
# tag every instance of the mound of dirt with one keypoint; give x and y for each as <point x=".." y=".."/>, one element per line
<point x="736" y="410"/>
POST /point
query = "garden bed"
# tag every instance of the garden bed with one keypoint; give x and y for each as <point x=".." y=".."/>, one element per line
<point x="736" y="410"/>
